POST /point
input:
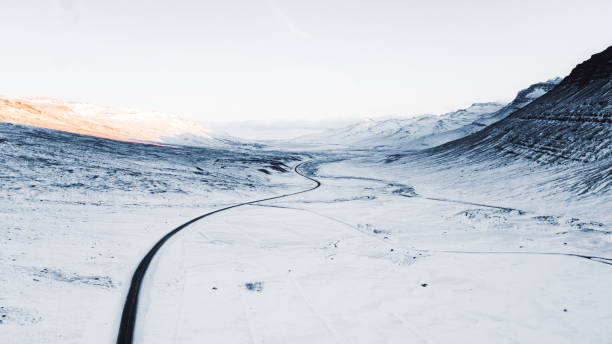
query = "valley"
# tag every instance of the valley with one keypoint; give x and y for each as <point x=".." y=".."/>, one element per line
<point x="488" y="224"/>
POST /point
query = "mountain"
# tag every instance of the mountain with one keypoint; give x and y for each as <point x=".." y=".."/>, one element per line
<point x="101" y="121"/>
<point x="523" y="98"/>
<point x="396" y="132"/>
<point x="426" y="131"/>
<point x="570" y="126"/>
<point x="570" y="122"/>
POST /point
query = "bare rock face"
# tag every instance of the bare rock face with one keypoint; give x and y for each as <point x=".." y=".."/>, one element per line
<point x="597" y="68"/>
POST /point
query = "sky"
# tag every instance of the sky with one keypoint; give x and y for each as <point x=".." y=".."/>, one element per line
<point x="286" y="60"/>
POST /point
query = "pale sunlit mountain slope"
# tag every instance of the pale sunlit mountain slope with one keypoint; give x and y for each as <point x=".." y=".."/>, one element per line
<point x="102" y="121"/>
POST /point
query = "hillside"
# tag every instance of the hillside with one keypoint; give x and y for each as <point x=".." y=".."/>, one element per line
<point x="565" y="135"/>
<point x="400" y="132"/>
<point x="101" y="121"/>
<point x="572" y="122"/>
<point x="425" y="131"/>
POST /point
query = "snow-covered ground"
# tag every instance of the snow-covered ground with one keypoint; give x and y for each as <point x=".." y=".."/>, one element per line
<point x="379" y="253"/>
<point x="78" y="213"/>
<point x="363" y="259"/>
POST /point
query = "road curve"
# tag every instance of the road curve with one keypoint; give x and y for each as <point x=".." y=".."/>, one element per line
<point x="130" y="308"/>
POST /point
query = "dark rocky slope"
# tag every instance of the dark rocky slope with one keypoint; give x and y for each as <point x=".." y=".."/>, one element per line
<point x="571" y="122"/>
<point x="562" y="141"/>
<point x="523" y="98"/>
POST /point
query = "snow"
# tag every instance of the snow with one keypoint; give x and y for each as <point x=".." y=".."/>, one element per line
<point x="79" y="212"/>
<point x="411" y="133"/>
<point x="101" y="121"/>
<point x="381" y="252"/>
<point x="418" y="132"/>
<point x="536" y="93"/>
<point x="356" y="262"/>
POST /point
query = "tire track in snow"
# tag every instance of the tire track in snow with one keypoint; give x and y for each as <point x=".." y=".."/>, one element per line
<point x="130" y="307"/>
<point x="334" y="334"/>
<point x="329" y="218"/>
<point x="597" y="259"/>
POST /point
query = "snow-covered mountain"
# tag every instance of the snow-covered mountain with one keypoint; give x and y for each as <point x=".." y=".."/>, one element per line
<point x="523" y="98"/>
<point x="569" y="126"/>
<point x="572" y="122"/>
<point x="402" y="132"/>
<point x="428" y="130"/>
<point x="102" y="121"/>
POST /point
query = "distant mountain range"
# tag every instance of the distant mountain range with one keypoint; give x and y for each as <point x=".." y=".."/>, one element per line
<point x="424" y="131"/>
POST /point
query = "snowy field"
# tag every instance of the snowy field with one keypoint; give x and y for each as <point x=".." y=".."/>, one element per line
<point x="360" y="261"/>
<point x="78" y="213"/>
<point x="382" y="252"/>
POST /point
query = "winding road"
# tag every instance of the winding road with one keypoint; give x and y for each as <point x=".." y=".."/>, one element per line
<point x="130" y="308"/>
<point x="129" y="313"/>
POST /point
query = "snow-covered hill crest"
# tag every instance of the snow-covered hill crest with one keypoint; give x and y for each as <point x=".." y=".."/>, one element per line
<point x="522" y="99"/>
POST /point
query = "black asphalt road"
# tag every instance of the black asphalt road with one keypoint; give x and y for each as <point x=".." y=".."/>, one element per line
<point x="130" y="308"/>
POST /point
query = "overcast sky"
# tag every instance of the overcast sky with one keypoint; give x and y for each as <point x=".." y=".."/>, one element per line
<point x="293" y="60"/>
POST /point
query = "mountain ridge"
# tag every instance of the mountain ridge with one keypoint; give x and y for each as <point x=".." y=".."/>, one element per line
<point x="570" y="122"/>
<point x="100" y="121"/>
<point x="425" y="131"/>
